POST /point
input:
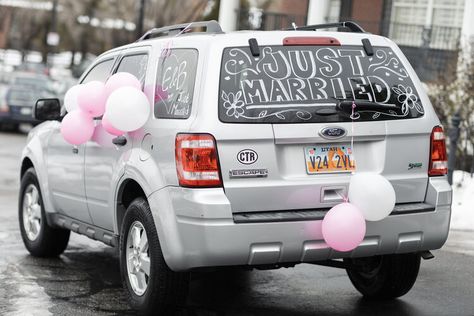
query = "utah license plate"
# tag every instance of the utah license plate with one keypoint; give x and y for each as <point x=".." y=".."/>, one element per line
<point x="329" y="158"/>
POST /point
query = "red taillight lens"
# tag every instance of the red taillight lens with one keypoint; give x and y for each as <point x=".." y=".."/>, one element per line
<point x="438" y="156"/>
<point x="197" y="162"/>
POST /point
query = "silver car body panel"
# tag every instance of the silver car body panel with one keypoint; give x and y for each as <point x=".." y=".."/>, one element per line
<point x="196" y="226"/>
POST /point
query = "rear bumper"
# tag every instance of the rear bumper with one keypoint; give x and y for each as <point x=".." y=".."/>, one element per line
<point x="197" y="229"/>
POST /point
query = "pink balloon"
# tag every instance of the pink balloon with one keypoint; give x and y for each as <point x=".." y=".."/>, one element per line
<point x="109" y="128"/>
<point x="159" y="93"/>
<point x="102" y="137"/>
<point x="77" y="127"/>
<point x="91" y="98"/>
<point x="343" y="227"/>
<point x="119" y="80"/>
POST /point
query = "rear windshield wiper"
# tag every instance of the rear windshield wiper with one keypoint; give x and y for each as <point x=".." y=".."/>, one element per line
<point x="346" y="106"/>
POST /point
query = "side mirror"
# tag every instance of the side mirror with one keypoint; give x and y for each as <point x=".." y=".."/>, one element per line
<point x="47" y="110"/>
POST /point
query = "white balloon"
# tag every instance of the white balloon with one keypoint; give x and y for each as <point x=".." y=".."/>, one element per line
<point x="70" y="98"/>
<point x="372" y="194"/>
<point x="127" y="109"/>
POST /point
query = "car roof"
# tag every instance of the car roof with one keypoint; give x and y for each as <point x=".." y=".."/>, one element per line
<point x="240" y="38"/>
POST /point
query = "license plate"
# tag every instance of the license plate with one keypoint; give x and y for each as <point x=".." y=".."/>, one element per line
<point x="25" y="111"/>
<point x="329" y="158"/>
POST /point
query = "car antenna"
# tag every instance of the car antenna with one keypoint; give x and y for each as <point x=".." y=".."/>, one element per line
<point x="254" y="48"/>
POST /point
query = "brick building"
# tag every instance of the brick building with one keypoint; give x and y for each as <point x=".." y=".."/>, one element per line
<point x="5" y="22"/>
<point x="428" y="31"/>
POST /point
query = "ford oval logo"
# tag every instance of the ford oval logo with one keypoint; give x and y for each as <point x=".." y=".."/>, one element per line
<point x="332" y="132"/>
<point x="247" y="156"/>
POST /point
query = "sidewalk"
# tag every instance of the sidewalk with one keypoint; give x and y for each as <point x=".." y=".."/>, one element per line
<point x="462" y="216"/>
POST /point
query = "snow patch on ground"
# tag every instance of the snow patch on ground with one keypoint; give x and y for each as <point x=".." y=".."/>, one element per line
<point x="462" y="216"/>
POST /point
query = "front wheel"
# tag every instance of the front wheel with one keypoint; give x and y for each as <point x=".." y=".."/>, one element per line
<point x="152" y="287"/>
<point x="39" y="238"/>
<point x="384" y="277"/>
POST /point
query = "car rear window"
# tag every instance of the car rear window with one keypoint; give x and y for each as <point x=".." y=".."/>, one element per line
<point x="298" y="84"/>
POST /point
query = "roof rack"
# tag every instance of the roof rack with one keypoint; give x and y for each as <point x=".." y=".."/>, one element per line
<point x="353" y="26"/>
<point x="211" y="27"/>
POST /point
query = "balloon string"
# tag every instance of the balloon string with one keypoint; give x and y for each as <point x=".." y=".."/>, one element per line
<point x="353" y="117"/>
<point x="167" y="50"/>
<point x="343" y="197"/>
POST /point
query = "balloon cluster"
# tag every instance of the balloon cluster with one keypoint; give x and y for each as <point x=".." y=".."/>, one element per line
<point x="120" y="102"/>
<point x="371" y="198"/>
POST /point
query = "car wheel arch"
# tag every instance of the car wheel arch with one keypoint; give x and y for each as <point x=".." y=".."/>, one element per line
<point x="25" y="165"/>
<point x="128" y="191"/>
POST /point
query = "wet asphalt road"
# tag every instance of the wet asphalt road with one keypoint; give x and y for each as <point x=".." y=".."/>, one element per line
<point x="85" y="280"/>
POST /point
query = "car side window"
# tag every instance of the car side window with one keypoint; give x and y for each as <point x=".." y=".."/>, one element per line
<point x="99" y="72"/>
<point x="135" y="65"/>
<point x="175" y="81"/>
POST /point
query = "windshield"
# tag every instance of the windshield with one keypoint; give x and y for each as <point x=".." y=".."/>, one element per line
<point x="292" y="84"/>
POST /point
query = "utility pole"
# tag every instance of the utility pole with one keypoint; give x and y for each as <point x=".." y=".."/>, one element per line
<point x="229" y="14"/>
<point x="454" y="132"/>
<point x="54" y="17"/>
<point x="141" y="18"/>
<point x="52" y="38"/>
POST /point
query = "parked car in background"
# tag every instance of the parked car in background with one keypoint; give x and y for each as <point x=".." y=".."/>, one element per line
<point x="17" y="105"/>
<point x="36" y="68"/>
<point x="32" y="81"/>
<point x="20" y="96"/>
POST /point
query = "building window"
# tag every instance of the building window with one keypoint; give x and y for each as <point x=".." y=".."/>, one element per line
<point x="435" y="24"/>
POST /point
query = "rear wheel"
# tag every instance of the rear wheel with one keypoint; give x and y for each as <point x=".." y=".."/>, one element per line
<point x="384" y="277"/>
<point x="152" y="287"/>
<point x="39" y="238"/>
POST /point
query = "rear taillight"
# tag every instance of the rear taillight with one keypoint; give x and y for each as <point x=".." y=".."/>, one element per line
<point x="197" y="162"/>
<point x="438" y="156"/>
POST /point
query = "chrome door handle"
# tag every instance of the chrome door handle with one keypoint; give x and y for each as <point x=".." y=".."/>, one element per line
<point x="119" y="141"/>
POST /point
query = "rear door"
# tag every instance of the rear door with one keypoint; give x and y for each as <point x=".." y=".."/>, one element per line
<point x="104" y="163"/>
<point x="282" y="107"/>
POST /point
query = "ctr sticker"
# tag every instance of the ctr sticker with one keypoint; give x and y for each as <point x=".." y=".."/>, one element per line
<point x="247" y="156"/>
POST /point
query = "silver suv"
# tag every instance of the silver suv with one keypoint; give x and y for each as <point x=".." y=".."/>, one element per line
<point x="230" y="168"/>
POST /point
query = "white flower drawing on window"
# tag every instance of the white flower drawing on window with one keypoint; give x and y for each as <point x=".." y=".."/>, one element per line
<point x="233" y="104"/>
<point x="408" y="99"/>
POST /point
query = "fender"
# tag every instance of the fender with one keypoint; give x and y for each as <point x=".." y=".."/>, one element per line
<point x="146" y="173"/>
<point x="34" y="150"/>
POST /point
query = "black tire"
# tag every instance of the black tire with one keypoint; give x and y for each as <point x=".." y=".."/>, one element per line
<point x="384" y="277"/>
<point x="9" y="127"/>
<point x="50" y="242"/>
<point x="166" y="290"/>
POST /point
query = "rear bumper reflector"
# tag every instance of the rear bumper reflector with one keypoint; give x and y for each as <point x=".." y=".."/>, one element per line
<point x="317" y="214"/>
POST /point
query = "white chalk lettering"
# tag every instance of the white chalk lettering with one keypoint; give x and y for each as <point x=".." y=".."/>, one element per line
<point x="254" y="90"/>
